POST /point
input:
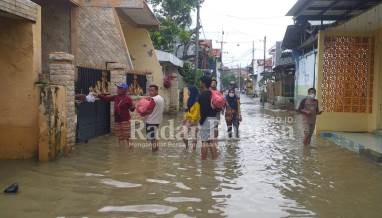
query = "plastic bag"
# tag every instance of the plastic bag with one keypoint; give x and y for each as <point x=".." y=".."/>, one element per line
<point x="90" y="98"/>
<point x="217" y="100"/>
<point x="145" y="106"/>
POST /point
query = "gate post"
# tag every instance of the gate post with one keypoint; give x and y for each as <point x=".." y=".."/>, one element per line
<point x="62" y="72"/>
<point x="117" y="76"/>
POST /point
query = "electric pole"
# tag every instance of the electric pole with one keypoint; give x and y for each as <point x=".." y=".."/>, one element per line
<point x="197" y="35"/>
<point x="265" y="50"/>
<point x="253" y="57"/>
<point x="240" y="78"/>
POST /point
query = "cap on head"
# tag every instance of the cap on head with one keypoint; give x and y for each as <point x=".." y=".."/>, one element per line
<point x="123" y="86"/>
<point x="232" y="83"/>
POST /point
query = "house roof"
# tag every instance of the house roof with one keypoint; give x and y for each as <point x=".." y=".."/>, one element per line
<point x="165" y="57"/>
<point x="333" y="10"/>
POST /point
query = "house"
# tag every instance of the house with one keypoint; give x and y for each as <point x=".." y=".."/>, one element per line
<point x="86" y="46"/>
<point x="170" y="67"/>
<point x="20" y="36"/>
<point x="283" y="73"/>
<point x="348" y="69"/>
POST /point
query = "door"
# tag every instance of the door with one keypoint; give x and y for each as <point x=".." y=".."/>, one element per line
<point x="93" y="119"/>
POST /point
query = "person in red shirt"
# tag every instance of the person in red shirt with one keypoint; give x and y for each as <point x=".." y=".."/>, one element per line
<point x="123" y="105"/>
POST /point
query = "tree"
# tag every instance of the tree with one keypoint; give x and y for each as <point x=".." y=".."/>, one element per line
<point x="175" y="18"/>
<point x="190" y="75"/>
<point x="226" y="79"/>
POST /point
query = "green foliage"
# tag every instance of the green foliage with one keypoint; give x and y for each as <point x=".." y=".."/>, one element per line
<point x="226" y="79"/>
<point x="190" y="75"/>
<point x="175" y="18"/>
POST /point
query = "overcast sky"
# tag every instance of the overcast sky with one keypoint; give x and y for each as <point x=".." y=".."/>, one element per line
<point x="244" y="21"/>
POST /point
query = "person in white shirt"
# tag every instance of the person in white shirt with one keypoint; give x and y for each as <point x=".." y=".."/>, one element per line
<point x="154" y="119"/>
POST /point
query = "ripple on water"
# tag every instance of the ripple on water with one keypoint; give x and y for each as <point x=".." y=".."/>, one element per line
<point x="157" y="181"/>
<point x="145" y="208"/>
<point x="182" y="199"/>
<point x="182" y="186"/>
<point x="181" y="215"/>
<point x="119" y="184"/>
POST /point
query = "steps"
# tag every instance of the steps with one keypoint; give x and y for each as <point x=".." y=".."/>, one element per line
<point x="378" y="132"/>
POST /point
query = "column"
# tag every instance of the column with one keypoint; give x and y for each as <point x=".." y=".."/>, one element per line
<point x="62" y="72"/>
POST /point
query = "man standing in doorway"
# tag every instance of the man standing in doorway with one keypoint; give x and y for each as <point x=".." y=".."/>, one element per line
<point x="154" y="119"/>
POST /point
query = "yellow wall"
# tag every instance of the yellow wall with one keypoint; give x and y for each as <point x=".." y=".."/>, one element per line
<point x="142" y="53"/>
<point x="352" y="122"/>
<point x="20" y="63"/>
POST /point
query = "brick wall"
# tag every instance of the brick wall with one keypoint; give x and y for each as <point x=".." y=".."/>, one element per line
<point x="99" y="38"/>
<point x="56" y="27"/>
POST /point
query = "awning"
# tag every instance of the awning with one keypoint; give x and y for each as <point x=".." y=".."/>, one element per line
<point x="330" y="10"/>
<point x="165" y="57"/>
<point x="293" y="37"/>
<point x="140" y="14"/>
<point x="19" y="9"/>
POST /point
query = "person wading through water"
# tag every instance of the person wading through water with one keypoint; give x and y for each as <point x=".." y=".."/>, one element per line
<point x="232" y="113"/>
<point x="154" y="119"/>
<point x="191" y="117"/>
<point x="208" y="120"/>
<point x="123" y="105"/>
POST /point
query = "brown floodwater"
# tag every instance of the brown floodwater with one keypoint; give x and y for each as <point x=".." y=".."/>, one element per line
<point x="267" y="173"/>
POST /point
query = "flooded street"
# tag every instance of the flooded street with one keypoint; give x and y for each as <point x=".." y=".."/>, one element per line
<point x="261" y="175"/>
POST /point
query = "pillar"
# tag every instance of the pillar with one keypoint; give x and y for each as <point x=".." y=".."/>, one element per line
<point x="174" y="93"/>
<point x="62" y="72"/>
<point x="117" y="76"/>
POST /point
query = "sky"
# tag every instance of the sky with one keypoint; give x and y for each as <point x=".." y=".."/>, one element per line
<point x="244" y="21"/>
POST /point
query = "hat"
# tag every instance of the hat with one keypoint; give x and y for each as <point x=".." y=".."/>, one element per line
<point x="232" y="82"/>
<point x="123" y="86"/>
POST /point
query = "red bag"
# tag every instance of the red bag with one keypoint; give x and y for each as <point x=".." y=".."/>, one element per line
<point x="145" y="106"/>
<point x="217" y="100"/>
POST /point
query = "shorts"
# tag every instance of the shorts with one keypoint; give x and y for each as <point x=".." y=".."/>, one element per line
<point x="122" y="130"/>
<point x="309" y="129"/>
<point x="152" y="131"/>
<point x="207" y="129"/>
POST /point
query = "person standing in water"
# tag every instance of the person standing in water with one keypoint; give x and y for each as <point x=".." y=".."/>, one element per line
<point x="232" y="113"/>
<point x="309" y="108"/>
<point x="123" y="105"/>
<point x="208" y="120"/>
<point x="214" y="85"/>
<point x="154" y="119"/>
<point x="192" y="116"/>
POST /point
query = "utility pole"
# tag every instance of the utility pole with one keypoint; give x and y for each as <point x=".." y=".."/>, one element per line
<point x="240" y="78"/>
<point x="197" y="35"/>
<point x="253" y="57"/>
<point x="221" y="47"/>
<point x="265" y="50"/>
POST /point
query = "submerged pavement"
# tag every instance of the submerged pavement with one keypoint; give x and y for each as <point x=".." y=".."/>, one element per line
<point x="267" y="173"/>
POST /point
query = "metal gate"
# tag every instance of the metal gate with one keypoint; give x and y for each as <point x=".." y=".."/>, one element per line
<point x="93" y="119"/>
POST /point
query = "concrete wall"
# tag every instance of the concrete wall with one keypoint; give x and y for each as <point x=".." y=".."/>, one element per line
<point x="20" y="8"/>
<point x="305" y="76"/>
<point x="56" y="29"/>
<point x="352" y="122"/>
<point x="143" y="53"/>
<point x="20" y="59"/>
<point x="98" y="38"/>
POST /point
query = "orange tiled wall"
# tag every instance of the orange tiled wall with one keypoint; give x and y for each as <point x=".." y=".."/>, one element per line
<point x="348" y="76"/>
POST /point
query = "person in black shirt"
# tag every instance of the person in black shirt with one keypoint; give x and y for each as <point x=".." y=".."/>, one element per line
<point x="208" y="120"/>
<point x="232" y="113"/>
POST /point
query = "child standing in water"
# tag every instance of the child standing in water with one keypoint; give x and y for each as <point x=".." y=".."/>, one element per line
<point x="309" y="108"/>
